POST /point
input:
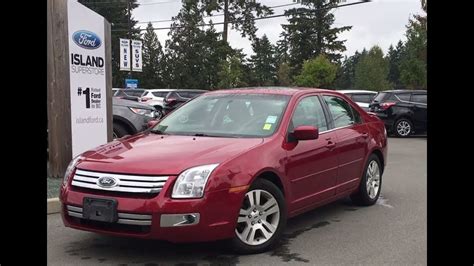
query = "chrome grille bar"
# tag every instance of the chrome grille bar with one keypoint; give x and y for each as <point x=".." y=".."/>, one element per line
<point x="124" y="183"/>
<point x="123" y="218"/>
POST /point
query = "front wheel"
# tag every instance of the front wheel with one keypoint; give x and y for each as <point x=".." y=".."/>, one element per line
<point x="262" y="218"/>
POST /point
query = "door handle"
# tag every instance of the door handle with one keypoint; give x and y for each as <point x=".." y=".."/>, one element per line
<point x="330" y="144"/>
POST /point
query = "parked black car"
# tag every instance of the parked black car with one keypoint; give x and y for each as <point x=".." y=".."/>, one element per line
<point x="130" y="117"/>
<point x="175" y="99"/>
<point x="403" y="111"/>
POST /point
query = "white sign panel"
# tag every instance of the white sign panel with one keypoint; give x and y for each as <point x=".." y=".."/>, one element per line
<point x="125" y="54"/>
<point x="137" y="55"/>
<point x="87" y="78"/>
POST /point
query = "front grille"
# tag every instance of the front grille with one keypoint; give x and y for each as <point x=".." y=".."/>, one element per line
<point x="123" y="183"/>
<point x="123" y="218"/>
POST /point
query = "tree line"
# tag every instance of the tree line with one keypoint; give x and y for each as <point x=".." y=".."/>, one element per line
<point x="308" y="52"/>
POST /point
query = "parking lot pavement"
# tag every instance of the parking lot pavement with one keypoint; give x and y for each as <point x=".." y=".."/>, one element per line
<point x="390" y="232"/>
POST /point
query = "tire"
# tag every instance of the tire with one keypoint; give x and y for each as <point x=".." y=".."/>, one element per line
<point x="266" y="189"/>
<point x="159" y="112"/>
<point x="119" y="131"/>
<point x="364" y="195"/>
<point x="403" y="128"/>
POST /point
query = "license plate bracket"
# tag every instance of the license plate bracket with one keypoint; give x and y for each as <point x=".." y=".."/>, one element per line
<point x="99" y="209"/>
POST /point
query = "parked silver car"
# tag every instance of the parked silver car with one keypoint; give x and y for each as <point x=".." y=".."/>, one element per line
<point x="130" y="117"/>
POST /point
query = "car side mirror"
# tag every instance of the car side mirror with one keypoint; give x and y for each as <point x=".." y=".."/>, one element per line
<point x="152" y="123"/>
<point x="306" y="133"/>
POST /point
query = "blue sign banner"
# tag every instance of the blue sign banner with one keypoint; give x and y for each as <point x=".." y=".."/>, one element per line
<point x="131" y="83"/>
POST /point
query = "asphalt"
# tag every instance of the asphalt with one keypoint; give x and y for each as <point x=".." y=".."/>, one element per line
<point x="392" y="232"/>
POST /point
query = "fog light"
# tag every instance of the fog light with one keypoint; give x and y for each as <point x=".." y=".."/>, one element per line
<point x="171" y="220"/>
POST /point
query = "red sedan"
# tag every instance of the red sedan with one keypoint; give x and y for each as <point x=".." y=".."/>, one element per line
<point x="230" y="164"/>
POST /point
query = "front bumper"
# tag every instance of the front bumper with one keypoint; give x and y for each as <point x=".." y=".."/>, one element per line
<point x="217" y="214"/>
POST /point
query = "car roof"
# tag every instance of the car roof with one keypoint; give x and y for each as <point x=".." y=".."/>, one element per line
<point x="356" y="91"/>
<point x="155" y="90"/>
<point x="270" y="90"/>
<point x="404" y="91"/>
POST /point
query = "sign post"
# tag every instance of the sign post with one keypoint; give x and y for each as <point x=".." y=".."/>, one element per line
<point x="79" y="82"/>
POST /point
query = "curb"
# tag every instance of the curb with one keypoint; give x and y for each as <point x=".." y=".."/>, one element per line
<point x="54" y="206"/>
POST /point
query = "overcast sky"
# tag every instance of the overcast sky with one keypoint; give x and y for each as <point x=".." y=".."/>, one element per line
<point x="380" y="22"/>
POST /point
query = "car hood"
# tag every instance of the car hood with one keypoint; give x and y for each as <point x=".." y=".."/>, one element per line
<point x="129" y="103"/>
<point x="154" y="154"/>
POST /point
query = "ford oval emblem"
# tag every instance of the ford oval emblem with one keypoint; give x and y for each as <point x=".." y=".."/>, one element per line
<point x="86" y="39"/>
<point x="107" y="182"/>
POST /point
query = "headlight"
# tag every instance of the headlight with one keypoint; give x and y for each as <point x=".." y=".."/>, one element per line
<point x="191" y="183"/>
<point x="146" y="112"/>
<point x="70" y="168"/>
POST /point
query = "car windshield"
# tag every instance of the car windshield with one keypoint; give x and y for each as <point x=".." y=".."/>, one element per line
<point x="226" y="115"/>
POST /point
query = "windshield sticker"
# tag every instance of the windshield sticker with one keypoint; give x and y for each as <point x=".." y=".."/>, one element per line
<point x="271" y="119"/>
<point x="267" y="126"/>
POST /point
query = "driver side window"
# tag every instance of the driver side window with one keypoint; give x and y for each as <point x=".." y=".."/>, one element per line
<point x="309" y="112"/>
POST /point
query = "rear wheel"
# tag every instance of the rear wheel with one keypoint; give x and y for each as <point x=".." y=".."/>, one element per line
<point x="371" y="183"/>
<point x="159" y="112"/>
<point x="262" y="218"/>
<point x="403" y="128"/>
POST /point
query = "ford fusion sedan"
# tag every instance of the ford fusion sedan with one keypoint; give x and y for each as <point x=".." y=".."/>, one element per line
<point x="229" y="164"/>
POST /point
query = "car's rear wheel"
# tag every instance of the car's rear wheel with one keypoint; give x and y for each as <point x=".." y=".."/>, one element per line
<point x="403" y="128"/>
<point x="371" y="183"/>
<point x="262" y="218"/>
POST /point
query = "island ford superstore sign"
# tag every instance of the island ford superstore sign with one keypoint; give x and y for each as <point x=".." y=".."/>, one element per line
<point x="87" y="78"/>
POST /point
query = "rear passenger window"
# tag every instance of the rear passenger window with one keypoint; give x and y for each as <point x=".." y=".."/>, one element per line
<point x="419" y="98"/>
<point x="362" y="98"/>
<point x="340" y="110"/>
<point x="404" y="96"/>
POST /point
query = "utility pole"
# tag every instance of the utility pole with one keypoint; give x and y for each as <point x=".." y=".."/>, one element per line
<point x="226" y="20"/>
<point x="130" y="38"/>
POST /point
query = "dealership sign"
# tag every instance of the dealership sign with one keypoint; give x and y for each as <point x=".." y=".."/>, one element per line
<point x="125" y="54"/>
<point x="87" y="78"/>
<point x="133" y="62"/>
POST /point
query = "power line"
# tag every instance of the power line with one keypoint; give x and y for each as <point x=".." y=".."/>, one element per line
<point x="266" y="17"/>
<point x="216" y="15"/>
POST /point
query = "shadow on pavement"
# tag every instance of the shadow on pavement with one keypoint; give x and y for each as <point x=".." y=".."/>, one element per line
<point x="94" y="248"/>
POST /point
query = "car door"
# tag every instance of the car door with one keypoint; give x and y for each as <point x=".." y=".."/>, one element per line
<point x="352" y="141"/>
<point x="420" y="110"/>
<point x="311" y="164"/>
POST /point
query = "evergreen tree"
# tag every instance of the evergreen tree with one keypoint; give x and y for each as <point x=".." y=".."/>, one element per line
<point x="394" y="58"/>
<point x="413" y="63"/>
<point x="231" y="73"/>
<point x="116" y="13"/>
<point x="318" y="72"/>
<point x="239" y="14"/>
<point x="346" y="73"/>
<point x="371" y="71"/>
<point x="152" y="75"/>
<point x="263" y="62"/>
<point x="284" y="78"/>
<point x="310" y="32"/>
<point x="193" y="54"/>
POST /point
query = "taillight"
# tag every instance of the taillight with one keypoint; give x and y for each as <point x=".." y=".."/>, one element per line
<point x="145" y="99"/>
<point x="170" y="100"/>
<point x="386" y="105"/>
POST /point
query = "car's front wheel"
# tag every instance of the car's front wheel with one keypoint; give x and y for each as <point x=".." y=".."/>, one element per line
<point x="262" y="218"/>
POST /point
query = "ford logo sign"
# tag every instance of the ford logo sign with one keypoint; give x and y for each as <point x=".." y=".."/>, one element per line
<point x="86" y="39"/>
<point x="107" y="182"/>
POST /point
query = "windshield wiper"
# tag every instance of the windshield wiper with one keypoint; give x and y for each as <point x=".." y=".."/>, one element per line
<point x="204" y="135"/>
<point x="156" y="131"/>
